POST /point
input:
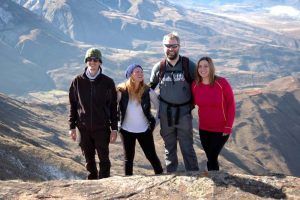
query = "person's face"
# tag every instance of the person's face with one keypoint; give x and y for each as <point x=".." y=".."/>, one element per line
<point x="137" y="74"/>
<point x="171" y="49"/>
<point x="203" y="69"/>
<point x="93" y="64"/>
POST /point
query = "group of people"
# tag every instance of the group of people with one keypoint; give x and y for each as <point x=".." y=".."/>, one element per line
<point x="96" y="106"/>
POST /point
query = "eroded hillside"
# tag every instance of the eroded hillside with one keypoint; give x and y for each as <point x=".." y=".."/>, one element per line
<point x="35" y="144"/>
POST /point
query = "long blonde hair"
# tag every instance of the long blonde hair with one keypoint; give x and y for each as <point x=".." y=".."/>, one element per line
<point x="134" y="93"/>
<point x="212" y="74"/>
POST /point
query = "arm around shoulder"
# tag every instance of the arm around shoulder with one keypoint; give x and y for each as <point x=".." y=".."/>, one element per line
<point x="230" y="106"/>
<point x="154" y="77"/>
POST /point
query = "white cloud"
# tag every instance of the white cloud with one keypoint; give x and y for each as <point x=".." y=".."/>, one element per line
<point x="284" y="11"/>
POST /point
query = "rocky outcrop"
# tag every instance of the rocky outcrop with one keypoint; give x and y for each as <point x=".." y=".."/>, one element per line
<point x="213" y="185"/>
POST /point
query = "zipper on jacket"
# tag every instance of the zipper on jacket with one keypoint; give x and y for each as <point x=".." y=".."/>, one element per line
<point x="91" y="103"/>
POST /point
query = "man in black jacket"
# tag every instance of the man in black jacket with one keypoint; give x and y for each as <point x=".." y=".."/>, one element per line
<point x="93" y="110"/>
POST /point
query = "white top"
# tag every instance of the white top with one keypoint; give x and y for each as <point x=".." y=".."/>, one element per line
<point x="135" y="121"/>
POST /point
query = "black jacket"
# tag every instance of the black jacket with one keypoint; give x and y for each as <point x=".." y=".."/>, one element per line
<point x="145" y="103"/>
<point x="93" y="103"/>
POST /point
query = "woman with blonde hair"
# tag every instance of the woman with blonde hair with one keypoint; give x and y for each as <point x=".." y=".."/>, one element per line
<point x="137" y="122"/>
<point x="216" y="110"/>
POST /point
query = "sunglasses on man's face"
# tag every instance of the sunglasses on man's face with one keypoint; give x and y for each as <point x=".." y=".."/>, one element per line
<point x="173" y="46"/>
<point x="89" y="59"/>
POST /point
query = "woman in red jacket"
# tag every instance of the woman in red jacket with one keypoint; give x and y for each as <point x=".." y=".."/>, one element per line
<point x="216" y="110"/>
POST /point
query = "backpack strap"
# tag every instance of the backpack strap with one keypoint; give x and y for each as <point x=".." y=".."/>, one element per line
<point x="185" y="69"/>
<point x="162" y="69"/>
<point x="161" y="73"/>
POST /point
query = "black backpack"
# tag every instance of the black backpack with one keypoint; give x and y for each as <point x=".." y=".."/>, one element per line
<point x="185" y="68"/>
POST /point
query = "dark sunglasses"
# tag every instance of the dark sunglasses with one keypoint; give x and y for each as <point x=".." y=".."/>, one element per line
<point x="173" y="46"/>
<point x="89" y="59"/>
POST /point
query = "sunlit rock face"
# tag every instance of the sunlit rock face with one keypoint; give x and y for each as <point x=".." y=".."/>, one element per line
<point x="215" y="185"/>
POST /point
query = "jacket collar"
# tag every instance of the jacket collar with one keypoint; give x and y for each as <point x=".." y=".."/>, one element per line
<point x="85" y="76"/>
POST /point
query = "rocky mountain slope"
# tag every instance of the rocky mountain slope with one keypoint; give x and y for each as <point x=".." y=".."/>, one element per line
<point x="30" y="46"/>
<point x="267" y="128"/>
<point x="215" y="185"/>
<point x="33" y="145"/>
<point x="130" y="32"/>
<point x="34" y="141"/>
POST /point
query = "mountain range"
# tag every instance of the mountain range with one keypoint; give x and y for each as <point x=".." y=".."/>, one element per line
<point x="44" y="41"/>
<point x="30" y="47"/>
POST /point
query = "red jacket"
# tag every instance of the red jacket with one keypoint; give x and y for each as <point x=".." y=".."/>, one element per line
<point x="216" y="105"/>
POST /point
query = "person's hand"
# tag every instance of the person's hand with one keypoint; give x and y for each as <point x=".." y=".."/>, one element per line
<point x="72" y="133"/>
<point x="152" y="124"/>
<point x="113" y="136"/>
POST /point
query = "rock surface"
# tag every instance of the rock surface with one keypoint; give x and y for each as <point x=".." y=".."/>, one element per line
<point x="213" y="185"/>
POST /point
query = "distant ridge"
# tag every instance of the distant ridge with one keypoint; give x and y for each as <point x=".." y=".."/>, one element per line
<point x="44" y="44"/>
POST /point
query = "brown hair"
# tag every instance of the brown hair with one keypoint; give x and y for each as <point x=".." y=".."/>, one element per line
<point x="212" y="75"/>
<point x="172" y="36"/>
<point x="130" y="86"/>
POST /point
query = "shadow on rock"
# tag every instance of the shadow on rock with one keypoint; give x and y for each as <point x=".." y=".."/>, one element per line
<point x="252" y="186"/>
